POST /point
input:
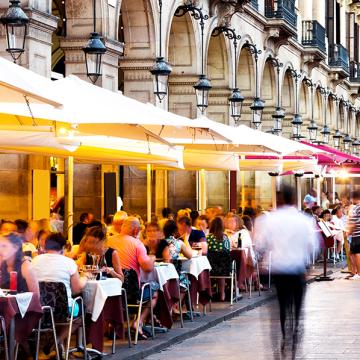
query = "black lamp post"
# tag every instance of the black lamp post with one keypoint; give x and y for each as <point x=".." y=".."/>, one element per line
<point x="279" y="114"/>
<point x="257" y="106"/>
<point x="94" y="51"/>
<point x="337" y="135"/>
<point x="16" y="24"/>
<point x="312" y="128"/>
<point x="203" y="86"/>
<point x="161" y="69"/>
<point x="325" y="132"/>
<point x="297" y="121"/>
<point x="236" y="99"/>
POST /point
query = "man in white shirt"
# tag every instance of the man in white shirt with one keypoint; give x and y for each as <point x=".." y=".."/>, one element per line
<point x="289" y="236"/>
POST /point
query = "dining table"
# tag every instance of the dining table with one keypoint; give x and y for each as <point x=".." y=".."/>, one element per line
<point x="22" y="313"/>
<point x="198" y="269"/>
<point x="167" y="277"/>
<point x="103" y="304"/>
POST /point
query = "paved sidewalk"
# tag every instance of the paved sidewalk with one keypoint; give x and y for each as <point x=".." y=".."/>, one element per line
<point x="329" y="329"/>
<point x="221" y="312"/>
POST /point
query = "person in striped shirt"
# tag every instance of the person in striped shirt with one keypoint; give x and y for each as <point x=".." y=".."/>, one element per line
<point x="354" y="231"/>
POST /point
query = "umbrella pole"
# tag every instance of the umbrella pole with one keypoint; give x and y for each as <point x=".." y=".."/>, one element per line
<point x="70" y="198"/>
<point x="242" y="190"/>
<point x="273" y="192"/>
<point x="298" y="190"/>
<point x="334" y="188"/>
<point x="148" y="191"/>
<point x="202" y="190"/>
<point x="318" y="190"/>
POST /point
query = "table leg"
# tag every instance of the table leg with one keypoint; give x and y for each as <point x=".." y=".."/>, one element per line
<point x="12" y="339"/>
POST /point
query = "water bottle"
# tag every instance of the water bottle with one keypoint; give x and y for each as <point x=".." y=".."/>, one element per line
<point x="239" y="240"/>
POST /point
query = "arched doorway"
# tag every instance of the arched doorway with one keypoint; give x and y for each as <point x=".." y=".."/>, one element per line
<point x="288" y="102"/>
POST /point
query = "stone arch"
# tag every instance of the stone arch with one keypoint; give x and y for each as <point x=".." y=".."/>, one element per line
<point x="330" y="118"/>
<point x="57" y="53"/>
<point x="246" y="73"/>
<point x="304" y="101"/>
<point x="136" y="19"/>
<point x="341" y="116"/>
<point x="288" y="92"/>
<point x="318" y="107"/>
<point x="219" y="73"/>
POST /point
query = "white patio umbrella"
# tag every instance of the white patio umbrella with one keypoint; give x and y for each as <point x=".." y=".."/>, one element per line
<point x="18" y="83"/>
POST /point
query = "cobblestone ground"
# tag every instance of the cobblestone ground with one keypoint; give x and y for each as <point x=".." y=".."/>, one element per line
<point x="329" y="329"/>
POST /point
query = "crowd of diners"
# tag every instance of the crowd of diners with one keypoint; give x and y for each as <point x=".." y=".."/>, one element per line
<point x="121" y="244"/>
<point x="124" y="244"/>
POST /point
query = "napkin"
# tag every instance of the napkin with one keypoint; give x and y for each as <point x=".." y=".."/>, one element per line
<point x="1" y="293"/>
<point x="23" y="300"/>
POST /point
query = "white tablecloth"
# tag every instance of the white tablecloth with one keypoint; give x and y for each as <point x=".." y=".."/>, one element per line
<point x="161" y="274"/>
<point x="96" y="292"/>
<point x="23" y="300"/>
<point x="196" y="265"/>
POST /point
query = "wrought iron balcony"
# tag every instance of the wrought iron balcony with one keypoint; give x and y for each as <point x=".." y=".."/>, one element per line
<point x="354" y="71"/>
<point x="281" y="9"/>
<point x="339" y="57"/>
<point x="313" y="35"/>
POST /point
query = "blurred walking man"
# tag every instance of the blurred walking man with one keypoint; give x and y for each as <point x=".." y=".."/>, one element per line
<point x="289" y="237"/>
<point x="354" y="232"/>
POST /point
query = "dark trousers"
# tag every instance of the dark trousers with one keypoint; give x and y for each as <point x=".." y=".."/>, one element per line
<point x="290" y="290"/>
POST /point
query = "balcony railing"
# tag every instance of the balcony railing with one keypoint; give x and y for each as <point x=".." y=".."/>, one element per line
<point x="354" y="71"/>
<point x="313" y="35"/>
<point x="338" y="57"/>
<point x="281" y="9"/>
<point x="255" y="4"/>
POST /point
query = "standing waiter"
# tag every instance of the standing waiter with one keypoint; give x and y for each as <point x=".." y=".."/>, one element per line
<point x="289" y="236"/>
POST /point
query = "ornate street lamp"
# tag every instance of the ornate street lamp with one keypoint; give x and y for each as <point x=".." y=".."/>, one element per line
<point x="236" y="99"/>
<point x="325" y="132"/>
<point x="16" y="24"/>
<point x="279" y="114"/>
<point x="94" y="51"/>
<point x="297" y="121"/>
<point x="203" y="86"/>
<point x="257" y="106"/>
<point x="161" y="69"/>
<point x="312" y="128"/>
<point x="337" y="135"/>
<point x="347" y="142"/>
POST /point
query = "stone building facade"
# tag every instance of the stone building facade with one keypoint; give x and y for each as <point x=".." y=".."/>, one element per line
<point x="317" y="38"/>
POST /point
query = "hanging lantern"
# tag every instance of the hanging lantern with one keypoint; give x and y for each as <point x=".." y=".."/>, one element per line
<point x="202" y="88"/>
<point x="313" y="128"/>
<point x="278" y="116"/>
<point x="94" y="51"/>
<point x="257" y="108"/>
<point x="296" y="130"/>
<point x="325" y="134"/>
<point x="236" y="100"/>
<point x="161" y="71"/>
<point x="347" y="142"/>
<point x="16" y="23"/>
<point x="356" y="147"/>
<point x="336" y="138"/>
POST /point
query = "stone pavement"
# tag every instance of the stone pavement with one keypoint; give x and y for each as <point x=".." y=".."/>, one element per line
<point x="221" y="312"/>
<point x="329" y="329"/>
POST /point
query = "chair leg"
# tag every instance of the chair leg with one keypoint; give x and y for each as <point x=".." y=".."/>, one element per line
<point x="138" y="319"/>
<point x="152" y="316"/>
<point x="84" y="329"/>
<point x="69" y="339"/>
<point x="232" y="289"/>
<point x="180" y="308"/>
<point x="54" y="333"/>
<point x="189" y="300"/>
<point x="16" y="351"/>
<point x="3" y="327"/>
<point x="258" y="275"/>
<point x="38" y="341"/>
<point x="269" y="270"/>
<point x="127" y="317"/>
<point x="250" y="285"/>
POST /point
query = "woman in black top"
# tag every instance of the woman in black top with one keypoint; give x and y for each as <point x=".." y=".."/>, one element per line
<point x="94" y="248"/>
<point x="12" y="259"/>
<point x="156" y="245"/>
